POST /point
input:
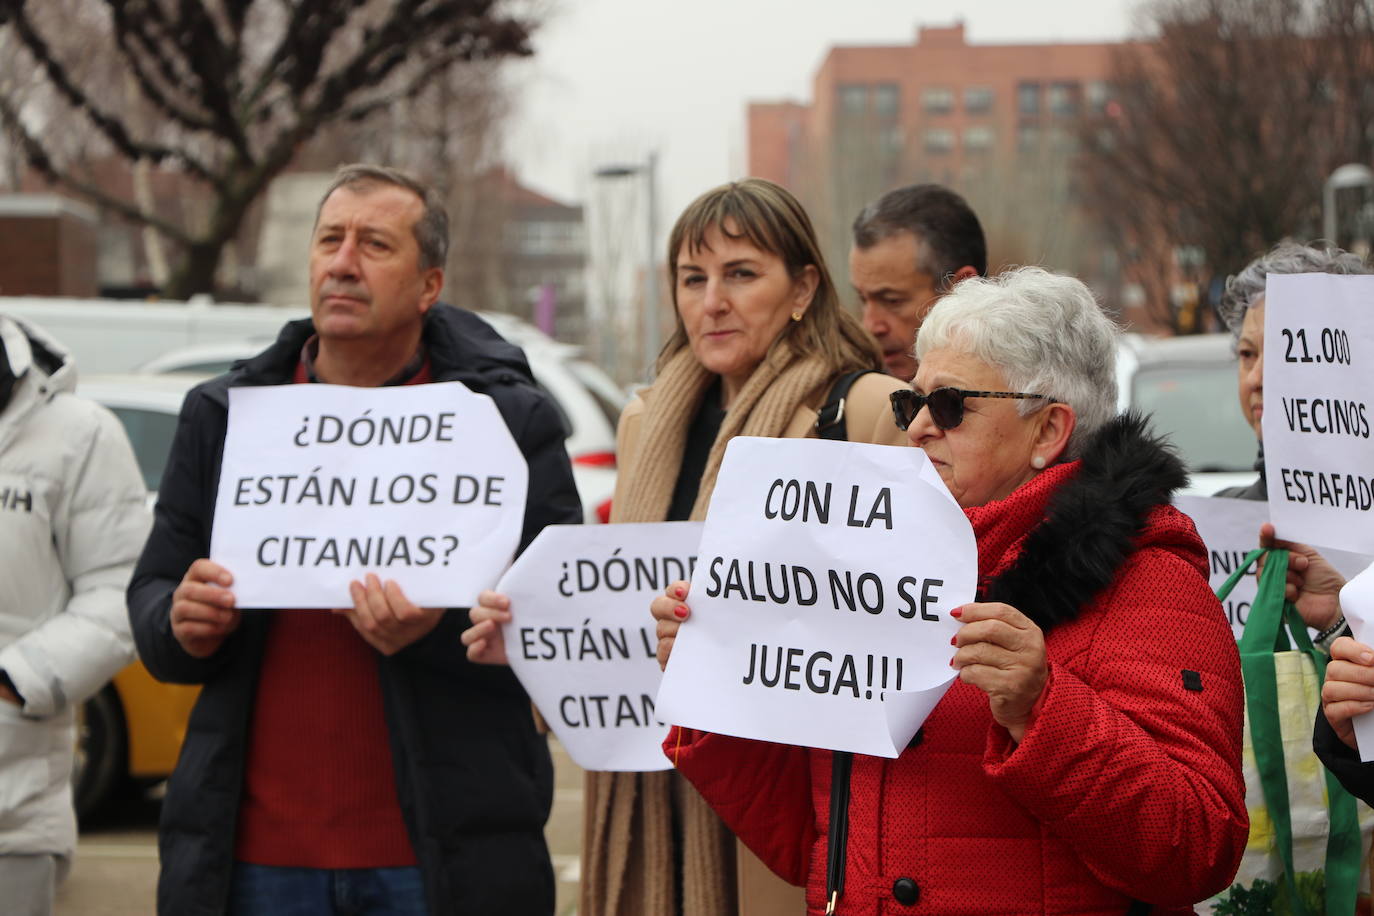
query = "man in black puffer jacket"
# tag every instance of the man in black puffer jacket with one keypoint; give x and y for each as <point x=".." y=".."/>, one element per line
<point x="354" y="759"/>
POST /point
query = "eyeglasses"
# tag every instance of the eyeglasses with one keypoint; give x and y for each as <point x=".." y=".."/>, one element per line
<point x="946" y="404"/>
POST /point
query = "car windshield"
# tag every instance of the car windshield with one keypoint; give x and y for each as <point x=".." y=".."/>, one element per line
<point x="1196" y="407"/>
<point x="150" y="433"/>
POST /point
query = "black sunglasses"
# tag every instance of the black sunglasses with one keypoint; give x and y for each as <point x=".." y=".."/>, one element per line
<point x="946" y="404"/>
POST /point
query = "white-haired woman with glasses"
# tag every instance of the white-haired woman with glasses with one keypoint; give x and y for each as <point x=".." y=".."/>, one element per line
<point x="1087" y="759"/>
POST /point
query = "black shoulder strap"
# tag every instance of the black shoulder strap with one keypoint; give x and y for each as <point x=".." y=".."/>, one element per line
<point x="830" y="421"/>
<point x="1138" y="908"/>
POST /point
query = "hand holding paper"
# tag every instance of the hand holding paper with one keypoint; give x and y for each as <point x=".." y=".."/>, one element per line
<point x="1314" y="585"/>
<point x="1348" y="693"/>
<point x="385" y="617"/>
<point x="1002" y="653"/>
<point x="203" y="611"/>
<point x="670" y="612"/>
<point x="485" y="639"/>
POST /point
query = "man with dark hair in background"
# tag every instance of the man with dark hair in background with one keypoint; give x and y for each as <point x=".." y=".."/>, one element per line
<point x="910" y="247"/>
<point x="353" y="761"/>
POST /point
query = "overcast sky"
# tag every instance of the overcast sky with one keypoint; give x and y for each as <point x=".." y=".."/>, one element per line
<point x="613" y="79"/>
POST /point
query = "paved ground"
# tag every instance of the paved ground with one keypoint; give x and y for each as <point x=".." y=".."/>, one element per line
<point x="115" y="873"/>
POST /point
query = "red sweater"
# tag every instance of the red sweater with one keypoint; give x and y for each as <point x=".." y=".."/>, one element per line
<point x="1127" y="785"/>
<point x="319" y="783"/>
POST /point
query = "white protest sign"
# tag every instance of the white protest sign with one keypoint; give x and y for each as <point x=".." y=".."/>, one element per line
<point x="1318" y="375"/>
<point x="1230" y="529"/>
<point x="821" y="600"/>
<point x="582" y="641"/>
<point x="322" y="484"/>
<point x="1357" y="603"/>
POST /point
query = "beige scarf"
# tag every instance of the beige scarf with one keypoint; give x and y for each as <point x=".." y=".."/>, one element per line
<point x="629" y="830"/>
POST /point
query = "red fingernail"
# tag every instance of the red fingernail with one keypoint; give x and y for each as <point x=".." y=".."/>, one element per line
<point x="680" y="612"/>
<point x="951" y="661"/>
<point x="679" y="592"/>
<point x="954" y="640"/>
<point x="957" y="612"/>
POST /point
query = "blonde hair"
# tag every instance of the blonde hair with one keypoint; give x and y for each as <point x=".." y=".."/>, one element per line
<point x="772" y="220"/>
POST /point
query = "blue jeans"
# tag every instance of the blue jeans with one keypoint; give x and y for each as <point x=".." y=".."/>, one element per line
<point x="266" y="890"/>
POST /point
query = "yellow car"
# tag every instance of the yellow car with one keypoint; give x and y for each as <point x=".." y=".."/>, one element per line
<point x="128" y="734"/>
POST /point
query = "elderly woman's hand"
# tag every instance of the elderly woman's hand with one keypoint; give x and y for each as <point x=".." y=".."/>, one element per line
<point x="1314" y="586"/>
<point x="1348" y="689"/>
<point x="668" y="609"/>
<point x="1002" y="653"/>
<point x="484" y="639"/>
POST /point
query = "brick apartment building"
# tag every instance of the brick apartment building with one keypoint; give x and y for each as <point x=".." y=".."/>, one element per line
<point x="997" y="122"/>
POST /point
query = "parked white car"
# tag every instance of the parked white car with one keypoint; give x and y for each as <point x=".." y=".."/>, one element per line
<point x="1188" y="385"/>
<point x="586" y="398"/>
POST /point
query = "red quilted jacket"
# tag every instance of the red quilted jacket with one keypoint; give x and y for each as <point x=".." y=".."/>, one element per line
<point x="1126" y="788"/>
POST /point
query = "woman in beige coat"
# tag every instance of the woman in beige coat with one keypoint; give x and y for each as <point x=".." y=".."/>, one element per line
<point x="760" y="343"/>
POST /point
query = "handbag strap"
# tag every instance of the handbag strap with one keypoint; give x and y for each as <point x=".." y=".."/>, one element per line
<point x="830" y="422"/>
<point x="1270" y="615"/>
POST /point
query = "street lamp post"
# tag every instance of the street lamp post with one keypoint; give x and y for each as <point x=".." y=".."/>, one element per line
<point x="648" y="169"/>
<point x="1350" y="177"/>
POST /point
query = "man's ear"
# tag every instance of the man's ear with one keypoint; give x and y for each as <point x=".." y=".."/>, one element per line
<point x="1056" y="425"/>
<point x="433" y="284"/>
<point x="963" y="273"/>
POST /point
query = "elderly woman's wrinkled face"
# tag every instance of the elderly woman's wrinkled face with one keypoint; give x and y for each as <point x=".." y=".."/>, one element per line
<point x="735" y="300"/>
<point x="1250" y="365"/>
<point x="986" y="456"/>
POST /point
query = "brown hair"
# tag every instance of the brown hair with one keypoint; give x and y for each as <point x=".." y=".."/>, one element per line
<point x="772" y="220"/>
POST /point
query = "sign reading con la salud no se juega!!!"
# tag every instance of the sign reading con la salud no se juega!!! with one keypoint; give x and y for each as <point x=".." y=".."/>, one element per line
<point x="581" y="638"/>
<point x="1319" y="427"/>
<point x="322" y="484"/>
<point x="821" y="598"/>
<point x="1230" y="530"/>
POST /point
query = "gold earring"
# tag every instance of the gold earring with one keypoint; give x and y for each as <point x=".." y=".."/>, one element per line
<point x="796" y="316"/>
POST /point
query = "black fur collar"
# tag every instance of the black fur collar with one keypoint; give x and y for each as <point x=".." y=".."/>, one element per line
<point x="1091" y="523"/>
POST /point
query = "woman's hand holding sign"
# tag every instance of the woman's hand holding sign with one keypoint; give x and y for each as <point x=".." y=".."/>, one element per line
<point x="203" y="612"/>
<point x="1002" y="653"/>
<point x="484" y="639"/>
<point x="668" y="609"/>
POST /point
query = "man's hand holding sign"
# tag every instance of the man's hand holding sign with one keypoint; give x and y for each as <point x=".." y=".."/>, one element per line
<point x="817" y="620"/>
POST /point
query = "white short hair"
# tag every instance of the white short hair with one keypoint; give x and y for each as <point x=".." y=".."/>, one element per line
<point x="1044" y="331"/>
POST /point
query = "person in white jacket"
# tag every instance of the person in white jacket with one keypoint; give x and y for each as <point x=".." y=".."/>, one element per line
<point x="73" y="517"/>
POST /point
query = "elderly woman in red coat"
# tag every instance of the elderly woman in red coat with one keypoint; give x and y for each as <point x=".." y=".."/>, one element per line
<point x="1087" y="758"/>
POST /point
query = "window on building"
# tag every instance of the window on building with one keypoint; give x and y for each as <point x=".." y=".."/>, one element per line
<point x="939" y="140"/>
<point x="1098" y="95"/>
<point x="937" y="100"/>
<point x="853" y="100"/>
<point x="979" y="138"/>
<point x="978" y="99"/>
<point x="1028" y="98"/>
<point x="1063" y="99"/>
<point x="1027" y="138"/>
<point x="890" y="140"/>
<point x="886" y="100"/>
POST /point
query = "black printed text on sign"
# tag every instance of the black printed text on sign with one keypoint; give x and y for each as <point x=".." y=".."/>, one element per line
<point x="322" y="484"/>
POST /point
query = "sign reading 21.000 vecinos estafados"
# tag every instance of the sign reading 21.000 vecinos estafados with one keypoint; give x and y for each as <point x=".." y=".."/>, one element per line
<point x="1318" y="420"/>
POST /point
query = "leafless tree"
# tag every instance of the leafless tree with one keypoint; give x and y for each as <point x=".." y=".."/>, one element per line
<point x="228" y="92"/>
<point x="1223" y="128"/>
